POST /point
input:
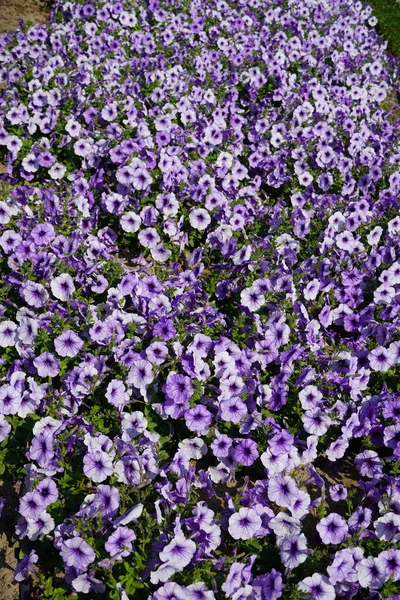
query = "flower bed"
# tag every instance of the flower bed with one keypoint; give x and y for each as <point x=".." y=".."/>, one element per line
<point x="200" y="304"/>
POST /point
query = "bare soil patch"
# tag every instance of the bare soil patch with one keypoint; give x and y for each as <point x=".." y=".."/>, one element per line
<point x="11" y="11"/>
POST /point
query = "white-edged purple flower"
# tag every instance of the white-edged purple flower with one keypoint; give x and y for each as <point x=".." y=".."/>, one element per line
<point x="57" y="171"/>
<point x="380" y="359"/>
<point x="68" y="344"/>
<point x="47" y="365"/>
<point x="391" y="561"/>
<point x="332" y="529"/>
<point x="8" y="333"/>
<point x="141" y="373"/>
<point x="130" y="222"/>
<point x="10" y="400"/>
<point x="97" y="466"/>
<point x="244" y="524"/>
<point x="178" y="553"/>
<point x="77" y="553"/>
<point x="199" y="218"/>
<point x="316" y="422"/>
<point x="149" y="237"/>
<point x="31" y="505"/>
<point x="317" y="586"/>
<point x="62" y="287"/>
<point x="119" y="543"/>
<point x="293" y="550"/>
<point x="5" y="428"/>
<point x="372" y="573"/>
<point x="282" y="490"/>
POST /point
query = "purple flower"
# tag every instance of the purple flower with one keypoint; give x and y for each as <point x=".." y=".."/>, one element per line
<point x="369" y="464"/>
<point x="5" y="427"/>
<point x="338" y="492"/>
<point x="343" y="568"/>
<point x="178" y="388"/>
<point x="233" y="410"/>
<point x="372" y="573"/>
<point x="31" y="505"/>
<point x="332" y="529"/>
<point x="141" y="374"/>
<point x="116" y="394"/>
<point x="119" y="543"/>
<point x="68" y="344"/>
<point x="221" y="446"/>
<point x="244" y="524"/>
<point x="282" y="490"/>
<point x="97" y="466"/>
<point x="318" y="587"/>
<point x="62" y="287"/>
<point x="198" y="419"/>
<point x="199" y="218"/>
<point x="42" y="448"/>
<point x="246" y="452"/>
<point x="77" y="553"/>
<point x="391" y="562"/>
<point x="47" y="365"/>
<point x="25" y="566"/>
<point x="293" y="550"/>
<point x="10" y="400"/>
<point x="108" y="499"/>
<point x="178" y="553"/>
<point x="8" y="334"/>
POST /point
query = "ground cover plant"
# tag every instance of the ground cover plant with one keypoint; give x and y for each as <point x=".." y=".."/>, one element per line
<point x="199" y="314"/>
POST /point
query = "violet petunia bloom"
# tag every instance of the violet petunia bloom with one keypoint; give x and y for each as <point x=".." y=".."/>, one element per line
<point x="10" y="400"/>
<point x="282" y="490"/>
<point x="97" y="466"/>
<point x="246" y="452"/>
<point x="119" y="543"/>
<point x="108" y="499"/>
<point x="380" y="359"/>
<point x="68" y="344"/>
<point x="47" y="365"/>
<point x="25" y="566"/>
<point x="317" y="586"/>
<point x="368" y="464"/>
<point x="244" y="524"/>
<point x="391" y="561"/>
<point x="372" y="573"/>
<point x="178" y="388"/>
<point x="8" y="334"/>
<point x="116" y="393"/>
<point x="77" y="553"/>
<point x="178" y="553"/>
<point x="198" y="419"/>
<point x="293" y="550"/>
<point x="31" y="505"/>
<point x="332" y="529"/>
<point x="141" y="374"/>
<point x="62" y="287"/>
<point x="5" y="427"/>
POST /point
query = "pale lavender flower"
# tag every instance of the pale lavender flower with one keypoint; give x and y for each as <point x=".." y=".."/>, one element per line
<point x="372" y="573"/>
<point x="47" y="365"/>
<point x="97" y="466"/>
<point x="77" y="553"/>
<point x="332" y="529"/>
<point x="179" y="552"/>
<point x="8" y="333"/>
<point x="68" y="344"/>
<point x="62" y="287"/>
<point x="317" y="586"/>
<point x="244" y="524"/>
<point x="119" y="543"/>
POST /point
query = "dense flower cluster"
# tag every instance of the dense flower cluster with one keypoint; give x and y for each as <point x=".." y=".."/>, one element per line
<point x="200" y="303"/>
